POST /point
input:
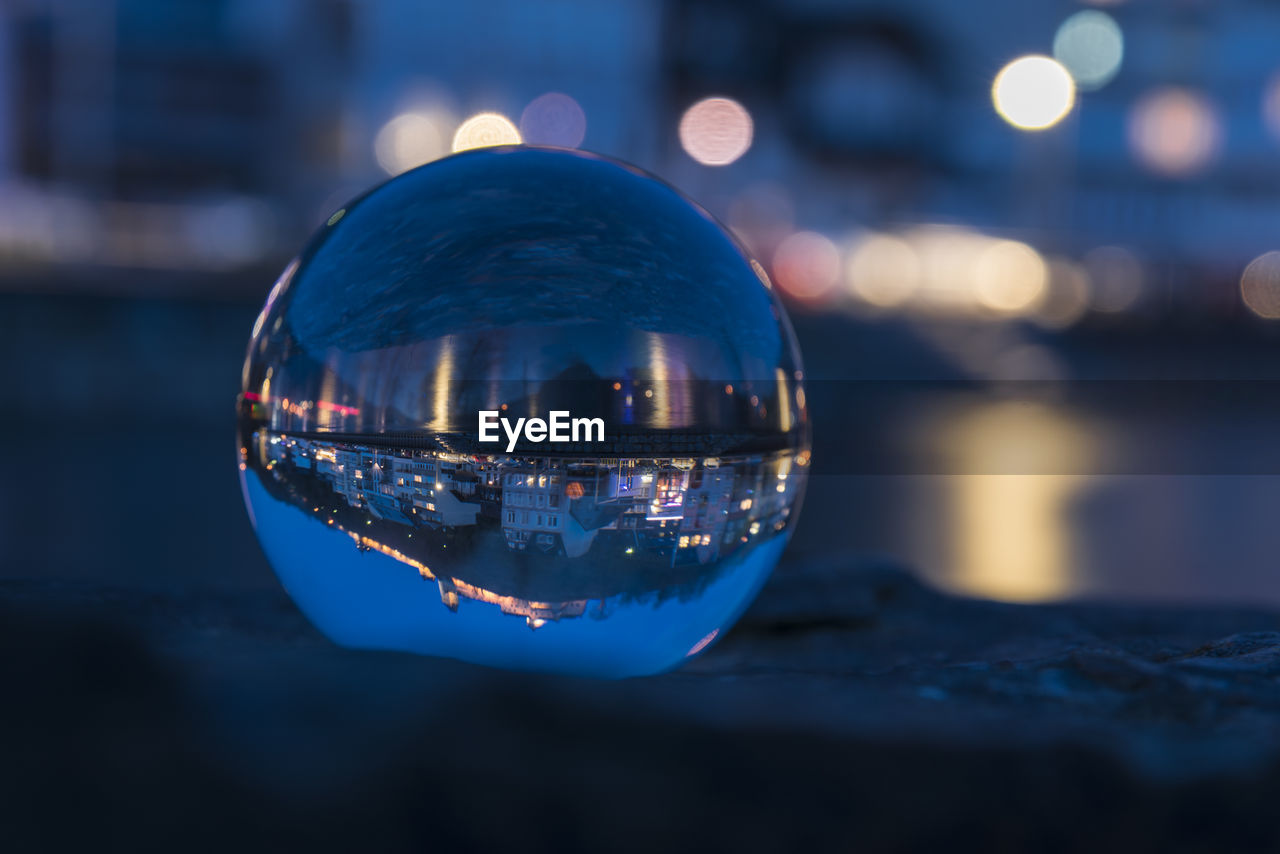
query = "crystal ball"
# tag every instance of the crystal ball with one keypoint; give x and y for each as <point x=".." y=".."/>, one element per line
<point x="525" y="407"/>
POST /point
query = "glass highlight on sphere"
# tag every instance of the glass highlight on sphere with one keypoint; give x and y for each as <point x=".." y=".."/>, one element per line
<point x="528" y="408"/>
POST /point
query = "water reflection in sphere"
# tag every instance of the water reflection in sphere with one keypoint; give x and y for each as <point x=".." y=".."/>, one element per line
<point x="523" y="282"/>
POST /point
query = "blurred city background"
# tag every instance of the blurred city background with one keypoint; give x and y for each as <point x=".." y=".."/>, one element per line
<point x="1032" y="251"/>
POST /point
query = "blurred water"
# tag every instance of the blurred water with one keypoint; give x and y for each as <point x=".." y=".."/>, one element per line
<point x="1081" y="531"/>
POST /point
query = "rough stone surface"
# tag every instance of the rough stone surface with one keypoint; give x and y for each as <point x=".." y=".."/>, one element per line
<point x="851" y="708"/>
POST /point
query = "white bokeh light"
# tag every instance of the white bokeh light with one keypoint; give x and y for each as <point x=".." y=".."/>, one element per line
<point x="1091" y="46"/>
<point x="716" y="131"/>
<point x="883" y="270"/>
<point x="411" y="139"/>
<point x="485" y="129"/>
<point x="1009" y="277"/>
<point x="1033" y="92"/>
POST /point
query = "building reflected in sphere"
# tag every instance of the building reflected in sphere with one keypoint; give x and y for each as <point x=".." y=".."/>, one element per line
<point x="524" y="282"/>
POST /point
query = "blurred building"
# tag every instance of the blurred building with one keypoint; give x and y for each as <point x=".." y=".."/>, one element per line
<point x="216" y="134"/>
<point x="172" y="135"/>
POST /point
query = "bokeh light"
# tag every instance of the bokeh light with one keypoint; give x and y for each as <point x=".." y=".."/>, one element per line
<point x="948" y="256"/>
<point x="1033" y="92"/>
<point x="1260" y="285"/>
<point x="1091" y="46"/>
<point x="1067" y="297"/>
<point x="1174" y="131"/>
<point x="1009" y="276"/>
<point x="553" y="119"/>
<point x="883" y="270"/>
<point x="1271" y="105"/>
<point x="716" y="131"/>
<point x="807" y="266"/>
<point x="411" y="139"/>
<point x="951" y="271"/>
<point x="1115" y="275"/>
<point x="485" y="129"/>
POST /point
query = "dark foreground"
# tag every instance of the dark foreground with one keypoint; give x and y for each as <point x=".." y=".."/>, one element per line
<point x="852" y="709"/>
<point x="159" y="691"/>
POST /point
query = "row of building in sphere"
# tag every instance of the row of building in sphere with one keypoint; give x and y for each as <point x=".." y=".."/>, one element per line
<point x="710" y="507"/>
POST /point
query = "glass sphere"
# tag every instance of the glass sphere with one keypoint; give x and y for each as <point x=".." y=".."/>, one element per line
<point x="524" y="407"/>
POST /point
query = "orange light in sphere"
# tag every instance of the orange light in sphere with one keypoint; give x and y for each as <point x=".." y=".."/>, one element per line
<point x="716" y="131"/>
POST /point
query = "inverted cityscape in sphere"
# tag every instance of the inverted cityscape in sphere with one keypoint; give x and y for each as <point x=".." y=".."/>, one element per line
<point x="537" y="288"/>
